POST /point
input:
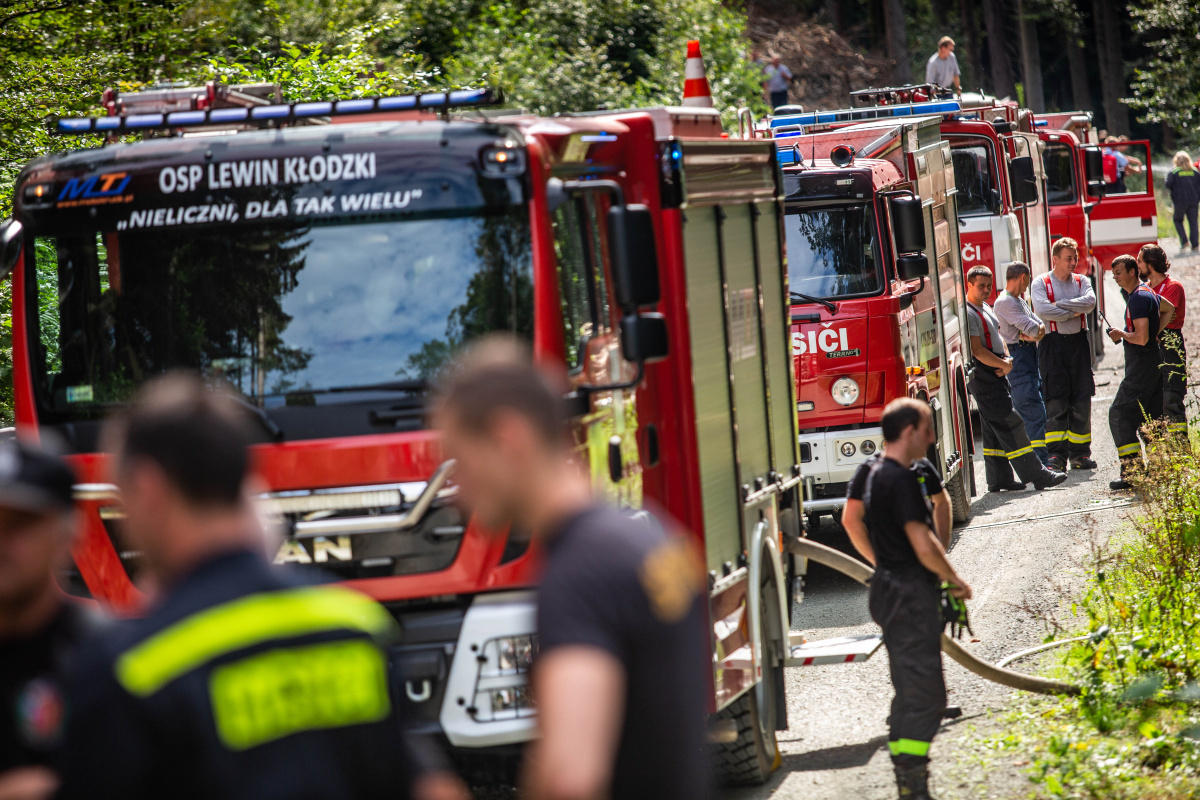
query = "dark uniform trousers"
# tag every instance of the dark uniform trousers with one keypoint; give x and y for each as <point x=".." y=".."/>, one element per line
<point x="1139" y="398"/>
<point x="1174" y="373"/>
<point x="1006" y="445"/>
<point x="906" y="606"/>
<point x="1065" y="361"/>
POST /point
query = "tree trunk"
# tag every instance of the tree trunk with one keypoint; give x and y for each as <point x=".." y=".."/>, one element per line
<point x="897" y="41"/>
<point x="1112" y="67"/>
<point x="1081" y="93"/>
<point x="1003" y="83"/>
<point x="833" y="10"/>
<point x="1031" y="59"/>
<point x="974" y="55"/>
<point x="941" y="10"/>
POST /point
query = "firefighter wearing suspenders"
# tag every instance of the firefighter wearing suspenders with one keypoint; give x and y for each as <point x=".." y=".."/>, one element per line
<point x="1172" y="306"/>
<point x="1064" y="299"/>
<point x="1006" y="445"/>
<point x="1140" y="395"/>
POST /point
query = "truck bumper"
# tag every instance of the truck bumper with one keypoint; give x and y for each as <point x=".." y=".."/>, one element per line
<point x="827" y="469"/>
<point x="487" y="700"/>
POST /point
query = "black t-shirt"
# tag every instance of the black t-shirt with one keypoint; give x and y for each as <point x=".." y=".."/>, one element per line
<point x="927" y="475"/>
<point x="1142" y="303"/>
<point x="31" y="690"/>
<point x="616" y="581"/>
<point x="895" y="495"/>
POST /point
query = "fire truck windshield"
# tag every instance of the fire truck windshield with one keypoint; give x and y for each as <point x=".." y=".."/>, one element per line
<point x="832" y="251"/>
<point x="290" y="314"/>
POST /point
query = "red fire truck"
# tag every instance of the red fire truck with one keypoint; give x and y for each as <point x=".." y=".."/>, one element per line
<point x="325" y="259"/>
<point x="868" y="207"/>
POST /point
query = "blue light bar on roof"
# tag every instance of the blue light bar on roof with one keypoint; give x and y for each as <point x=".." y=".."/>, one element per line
<point x="78" y="126"/>
<point x="867" y="114"/>
<point x="1042" y="123"/>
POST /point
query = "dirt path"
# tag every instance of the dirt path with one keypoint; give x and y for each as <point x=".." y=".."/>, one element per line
<point x="836" y="744"/>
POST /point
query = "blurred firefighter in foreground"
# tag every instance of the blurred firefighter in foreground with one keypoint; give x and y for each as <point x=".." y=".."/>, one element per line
<point x="40" y="627"/>
<point x="237" y="684"/>
<point x="620" y="679"/>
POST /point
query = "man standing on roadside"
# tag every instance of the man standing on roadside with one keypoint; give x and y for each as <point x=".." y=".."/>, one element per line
<point x="942" y="67"/>
<point x="1152" y="268"/>
<point x="910" y="565"/>
<point x="622" y="672"/>
<point x="1140" y="394"/>
<point x="39" y="627"/>
<point x="1006" y="445"/>
<point x="1064" y="299"/>
<point x="237" y="683"/>
<point x="777" y="79"/>
<point x="1021" y="331"/>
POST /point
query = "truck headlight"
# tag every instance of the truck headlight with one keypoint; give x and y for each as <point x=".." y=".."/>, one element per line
<point x="844" y="391"/>
<point x="848" y="449"/>
<point x="867" y="447"/>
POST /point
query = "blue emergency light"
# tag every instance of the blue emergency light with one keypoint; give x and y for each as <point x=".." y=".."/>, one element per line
<point x="285" y="112"/>
<point x="866" y="114"/>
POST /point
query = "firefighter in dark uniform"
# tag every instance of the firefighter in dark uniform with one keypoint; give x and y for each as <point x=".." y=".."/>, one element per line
<point x="238" y="683"/>
<point x="1064" y="299"/>
<point x="1140" y="395"/>
<point x="1172" y="303"/>
<point x="910" y="564"/>
<point x="1006" y="445"/>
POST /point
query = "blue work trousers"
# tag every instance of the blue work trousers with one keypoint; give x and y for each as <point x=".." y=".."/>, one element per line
<point x="1025" y="383"/>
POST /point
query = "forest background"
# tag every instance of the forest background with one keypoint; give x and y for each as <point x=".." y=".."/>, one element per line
<point x="1136" y="64"/>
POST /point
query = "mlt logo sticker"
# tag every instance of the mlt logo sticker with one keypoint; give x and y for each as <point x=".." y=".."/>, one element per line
<point x="831" y="341"/>
<point x="107" y="187"/>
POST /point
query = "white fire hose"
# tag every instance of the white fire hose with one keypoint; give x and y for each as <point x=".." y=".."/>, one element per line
<point x="993" y="672"/>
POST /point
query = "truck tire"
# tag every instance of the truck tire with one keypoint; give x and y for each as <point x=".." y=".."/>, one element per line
<point x="960" y="500"/>
<point x="751" y="758"/>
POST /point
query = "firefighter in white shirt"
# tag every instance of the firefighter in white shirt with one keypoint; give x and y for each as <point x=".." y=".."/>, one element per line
<point x="1064" y="299"/>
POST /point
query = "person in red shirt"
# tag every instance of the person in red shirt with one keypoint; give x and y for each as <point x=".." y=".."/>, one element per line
<point x="1153" y="267"/>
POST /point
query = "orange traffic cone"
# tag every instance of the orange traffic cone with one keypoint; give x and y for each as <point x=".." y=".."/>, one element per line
<point x="695" y="82"/>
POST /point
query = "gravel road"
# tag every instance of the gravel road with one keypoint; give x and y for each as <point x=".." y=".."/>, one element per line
<point x="836" y="744"/>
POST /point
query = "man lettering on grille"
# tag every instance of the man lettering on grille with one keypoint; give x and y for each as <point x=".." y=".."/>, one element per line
<point x="1021" y="331"/>
<point x="1006" y="445"/>
<point x="910" y="565"/>
<point x="1064" y="299"/>
<point x="238" y="683"/>
<point x="1172" y="300"/>
<point x="622" y="673"/>
<point x="1140" y="395"/>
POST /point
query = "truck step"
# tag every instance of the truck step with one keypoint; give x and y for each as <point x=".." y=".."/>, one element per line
<point x="842" y="650"/>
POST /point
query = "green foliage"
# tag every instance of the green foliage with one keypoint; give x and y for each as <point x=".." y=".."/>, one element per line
<point x="1167" y="87"/>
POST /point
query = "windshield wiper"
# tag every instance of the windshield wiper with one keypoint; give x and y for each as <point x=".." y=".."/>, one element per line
<point x="389" y="386"/>
<point x="268" y="424"/>
<point x="806" y="298"/>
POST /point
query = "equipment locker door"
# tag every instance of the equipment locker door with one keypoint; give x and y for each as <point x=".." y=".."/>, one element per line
<point x="1126" y="217"/>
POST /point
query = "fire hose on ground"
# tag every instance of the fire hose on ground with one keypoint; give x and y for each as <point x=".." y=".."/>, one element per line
<point x="862" y="573"/>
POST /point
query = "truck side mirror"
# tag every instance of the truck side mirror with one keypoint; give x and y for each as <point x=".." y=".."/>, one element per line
<point x="908" y="223"/>
<point x="912" y="266"/>
<point x="634" y="256"/>
<point x="10" y="246"/>
<point x="1093" y="170"/>
<point x="644" y="337"/>
<point x="1023" y="180"/>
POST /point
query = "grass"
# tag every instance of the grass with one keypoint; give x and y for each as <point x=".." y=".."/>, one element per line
<point x="1135" y="730"/>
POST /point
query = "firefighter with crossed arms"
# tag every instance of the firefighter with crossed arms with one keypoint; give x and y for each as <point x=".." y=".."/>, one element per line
<point x="1064" y="299"/>
<point x="1006" y="445"/>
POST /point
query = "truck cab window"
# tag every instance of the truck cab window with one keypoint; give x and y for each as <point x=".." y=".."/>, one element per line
<point x="832" y="252"/>
<point x="1060" y="175"/>
<point x="973" y="177"/>
<point x="582" y="285"/>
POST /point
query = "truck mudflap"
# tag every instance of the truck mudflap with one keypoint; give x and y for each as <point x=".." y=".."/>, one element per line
<point x="487" y="700"/>
<point x="841" y="650"/>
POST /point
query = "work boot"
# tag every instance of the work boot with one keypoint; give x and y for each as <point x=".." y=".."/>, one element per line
<point x="1049" y="478"/>
<point x="912" y="779"/>
<point x="1120" y="485"/>
<point x="1057" y="464"/>
<point x="1082" y="462"/>
<point x="1011" y="486"/>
